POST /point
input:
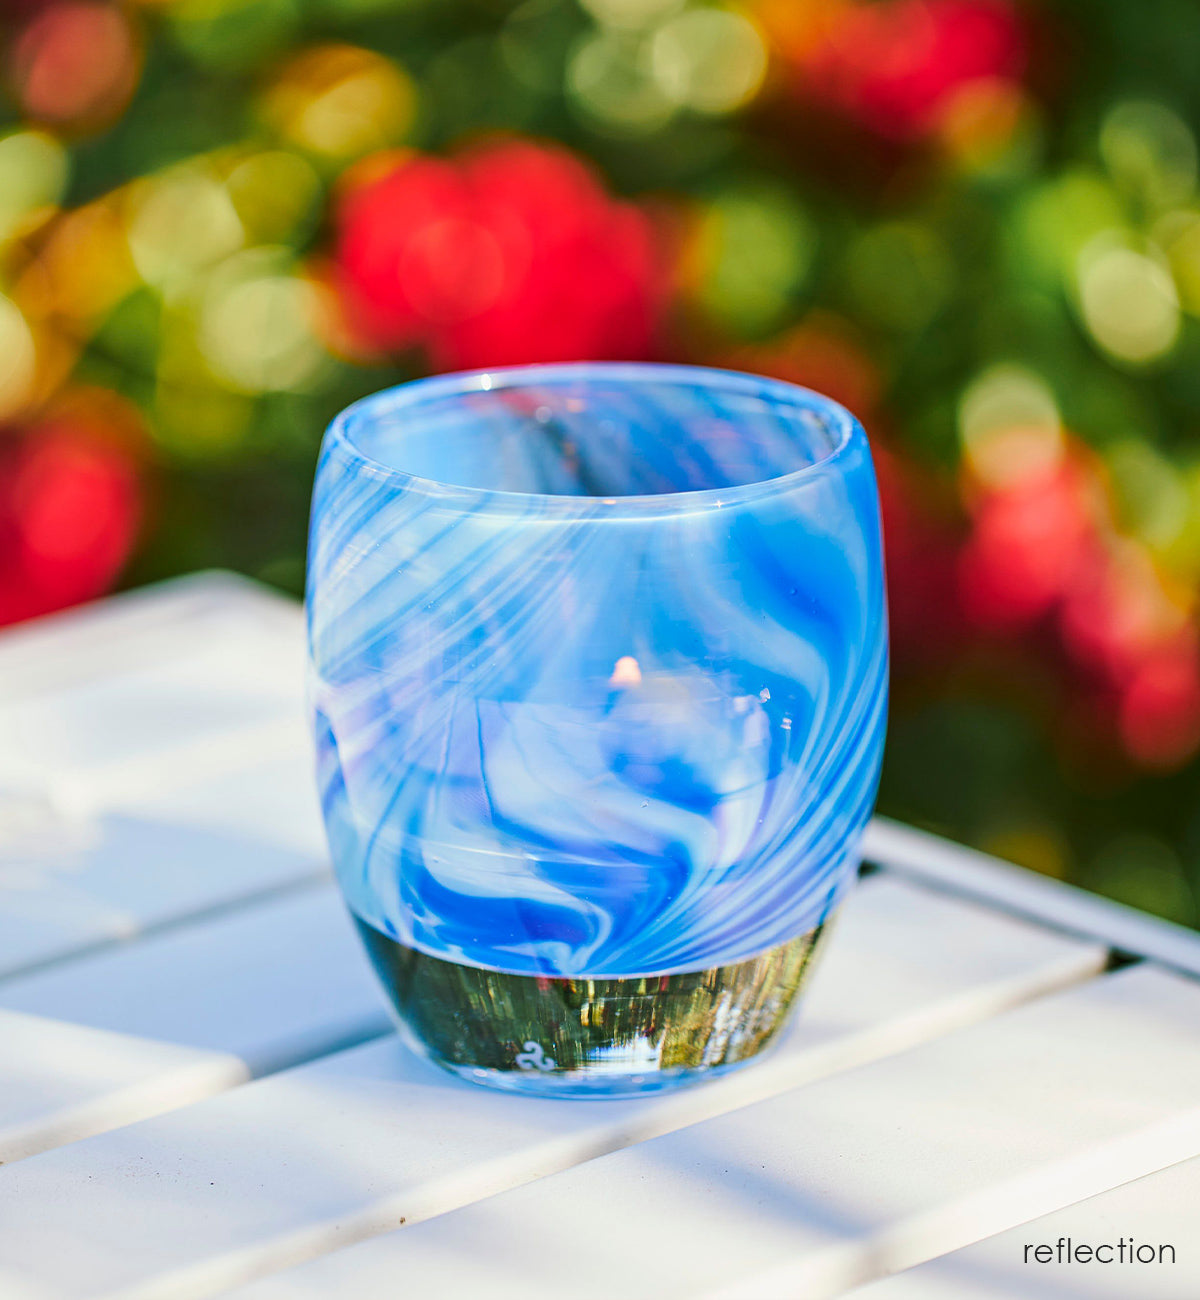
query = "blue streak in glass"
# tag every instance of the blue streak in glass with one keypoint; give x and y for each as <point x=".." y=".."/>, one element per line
<point x="598" y="664"/>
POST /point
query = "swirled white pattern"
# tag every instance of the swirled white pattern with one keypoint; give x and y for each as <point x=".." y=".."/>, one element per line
<point x="612" y="705"/>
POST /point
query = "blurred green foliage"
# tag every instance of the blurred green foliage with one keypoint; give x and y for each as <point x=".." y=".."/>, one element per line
<point x="986" y="242"/>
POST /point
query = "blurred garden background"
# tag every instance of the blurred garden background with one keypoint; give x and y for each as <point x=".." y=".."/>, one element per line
<point x="975" y="222"/>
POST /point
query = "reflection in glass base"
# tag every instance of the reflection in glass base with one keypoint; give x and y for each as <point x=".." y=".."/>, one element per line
<point x="590" y="1037"/>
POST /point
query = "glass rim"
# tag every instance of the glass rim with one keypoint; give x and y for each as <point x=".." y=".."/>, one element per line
<point x="845" y="427"/>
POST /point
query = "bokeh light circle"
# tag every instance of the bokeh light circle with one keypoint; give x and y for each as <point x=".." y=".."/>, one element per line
<point x="257" y="333"/>
<point x="610" y="79"/>
<point x="182" y="221"/>
<point x="1150" y="152"/>
<point x="340" y="101"/>
<point x="1010" y="426"/>
<point x="18" y="358"/>
<point x="1128" y="301"/>
<point x="275" y="195"/>
<point x="630" y="13"/>
<point x="33" y="175"/>
<point x="76" y="64"/>
<point x="709" y="60"/>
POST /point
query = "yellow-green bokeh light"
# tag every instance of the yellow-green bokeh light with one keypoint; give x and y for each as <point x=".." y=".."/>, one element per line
<point x="755" y="247"/>
<point x="1009" y="426"/>
<point x="33" y="175"/>
<point x="257" y="325"/>
<point x="631" y="14"/>
<point x="1128" y="300"/>
<point x="1149" y="152"/>
<point x="709" y="60"/>
<point x="274" y="193"/>
<point x="610" y="79"/>
<point x="182" y="221"/>
<point x="18" y="358"/>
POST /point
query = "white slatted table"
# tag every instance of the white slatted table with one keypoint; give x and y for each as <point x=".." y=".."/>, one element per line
<point x="200" y="1095"/>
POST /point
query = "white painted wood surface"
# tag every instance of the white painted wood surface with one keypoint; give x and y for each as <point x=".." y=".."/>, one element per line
<point x="166" y="932"/>
<point x="272" y="983"/>
<point x="1161" y="1209"/>
<point x="216" y="1188"/>
<point x="62" y="1082"/>
<point x="134" y="1030"/>
<point x="81" y="722"/>
<point x="154" y="765"/>
<point x="809" y="1193"/>
<point x="1012" y="889"/>
<point x="79" y="884"/>
<point x="272" y="800"/>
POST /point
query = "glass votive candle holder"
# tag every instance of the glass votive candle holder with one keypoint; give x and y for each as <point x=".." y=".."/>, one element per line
<point x="598" y="681"/>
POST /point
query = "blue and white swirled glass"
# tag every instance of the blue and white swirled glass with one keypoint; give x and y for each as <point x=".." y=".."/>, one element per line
<point x="599" y="665"/>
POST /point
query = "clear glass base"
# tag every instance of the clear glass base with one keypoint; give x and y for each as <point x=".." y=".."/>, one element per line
<point x="590" y="1037"/>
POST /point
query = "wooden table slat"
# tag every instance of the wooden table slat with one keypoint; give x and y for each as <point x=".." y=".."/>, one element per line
<point x="62" y="1082"/>
<point x="1160" y="1209"/>
<point x="126" y="633"/>
<point x="271" y="800"/>
<point x="1009" y="888"/>
<point x="265" y="987"/>
<point x="155" y="764"/>
<point x="290" y="1166"/>
<point x="168" y="930"/>
<point x="90" y="883"/>
<point x="807" y="1194"/>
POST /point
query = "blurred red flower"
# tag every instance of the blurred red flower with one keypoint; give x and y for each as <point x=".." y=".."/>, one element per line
<point x="1045" y="550"/>
<point x="76" y="64"/>
<point x="896" y="66"/>
<point x="70" y="505"/>
<point x="1028" y="545"/>
<point x="1159" y="712"/>
<point x="925" y="614"/>
<point x="512" y="252"/>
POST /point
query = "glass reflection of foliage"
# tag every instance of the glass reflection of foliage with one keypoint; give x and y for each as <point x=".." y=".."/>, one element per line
<point x="474" y="1019"/>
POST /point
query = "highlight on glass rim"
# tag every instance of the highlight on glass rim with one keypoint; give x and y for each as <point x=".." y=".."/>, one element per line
<point x="975" y="223"/>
